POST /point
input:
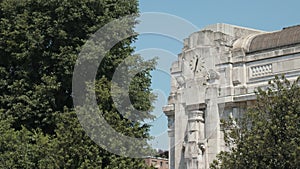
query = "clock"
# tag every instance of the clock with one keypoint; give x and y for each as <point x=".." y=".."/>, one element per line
<point x="197" y="64"/>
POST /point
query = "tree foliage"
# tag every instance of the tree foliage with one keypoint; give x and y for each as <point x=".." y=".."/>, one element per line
<point x="39" y="43"/>
<point x="268" y="135"/>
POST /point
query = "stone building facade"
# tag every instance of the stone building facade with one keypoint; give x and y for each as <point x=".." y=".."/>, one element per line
<point x="157" y="162"/>
<point x="215" y="77"/>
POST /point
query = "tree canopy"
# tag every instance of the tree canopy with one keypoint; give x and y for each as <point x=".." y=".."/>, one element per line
<point x="268" y="134"/>
<point x="39" y="43"/>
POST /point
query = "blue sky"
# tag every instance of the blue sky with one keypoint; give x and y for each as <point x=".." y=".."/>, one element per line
<point x="268" y="15"/>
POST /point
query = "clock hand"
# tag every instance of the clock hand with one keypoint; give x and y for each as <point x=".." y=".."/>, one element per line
<point x="196" y="65"/>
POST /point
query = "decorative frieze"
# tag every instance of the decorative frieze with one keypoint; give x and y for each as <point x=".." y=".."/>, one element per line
<point x="261" y="70"/>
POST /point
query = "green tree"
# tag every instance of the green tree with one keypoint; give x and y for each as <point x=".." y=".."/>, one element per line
<point x="268" y="135"/>
<point x="39" y="43"/>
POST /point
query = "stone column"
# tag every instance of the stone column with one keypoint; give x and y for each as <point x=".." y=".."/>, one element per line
<point x="169" y="110"/>
<point x="195" y="145"/>
<point x="171" y="134"/>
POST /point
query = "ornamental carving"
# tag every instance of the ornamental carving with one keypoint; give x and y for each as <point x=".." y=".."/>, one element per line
<point x="261" y="70"/>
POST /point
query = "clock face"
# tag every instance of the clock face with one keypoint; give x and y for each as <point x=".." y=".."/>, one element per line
<point x="197" y="64"/>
